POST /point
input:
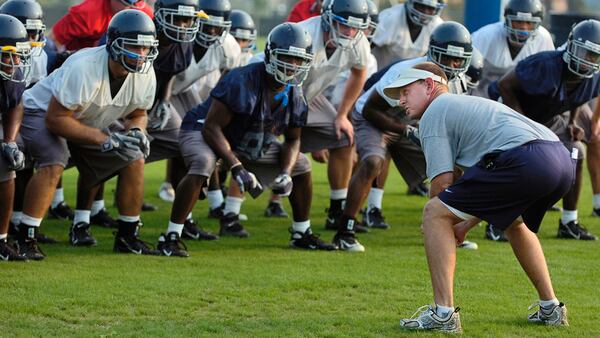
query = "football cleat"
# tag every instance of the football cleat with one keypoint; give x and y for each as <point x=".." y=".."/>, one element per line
<point x="230" y="226"/>
<point x="373" y="218"/>
<point x="8" y="253"/>
<point x="333" y="218"/>
<point x="80" y="235"/>
<point x="192" y="231"/>
<point x="216" y="212"/>
<point x="574" y="230"/>
<point x="27" y="243"/>
<point x="103" y="219"/>
<point x="555" y="315"/>
<point x="309" y="241"/>
<point x="494" y="234"/>
<point x="347" y="241"/>
<point x="275" y="209"/>
<point x="425" y="318"/>
<point x="149" y="207"/>
<point x="172" y="245"/>
<point x="61" y="211"/>
<point x="134" y="245"/>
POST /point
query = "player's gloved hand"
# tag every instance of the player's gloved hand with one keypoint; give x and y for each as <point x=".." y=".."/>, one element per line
<point x="412" y="134"/>
<point x="14" y="157"/>
<point x="119" y="143"/>
<point x="144" y="143"/>
<point x="159" y="116"/>
<point x="246" y="180"/>
<point x="282" y="184"/>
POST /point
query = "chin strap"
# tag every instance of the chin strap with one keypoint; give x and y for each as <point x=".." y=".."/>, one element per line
<point x="283" y="95"/>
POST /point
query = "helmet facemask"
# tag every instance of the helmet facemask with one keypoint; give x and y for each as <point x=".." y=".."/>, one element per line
<point x="247" y="35"/>
<point x="583" y="58"/>
<point x="337" y="36"/>
<point x="420" y="18"/>
<point x="520" y="36"/>
<point x="132" y="61"/>
<point x="166" y="19"/>
<point x="445" y="56"/>
<point x="36" y="31"/>
<point x="288" y="73"/>
<point x="15" y="62"/>
<point x="221" y="25"/>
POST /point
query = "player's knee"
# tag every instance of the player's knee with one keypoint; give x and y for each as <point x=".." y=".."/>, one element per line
<point x="372" y="165"/>
<point x="51" y="172"/>
<point x="194" y="180"/>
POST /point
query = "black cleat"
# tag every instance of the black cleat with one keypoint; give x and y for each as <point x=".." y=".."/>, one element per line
<point x="275" y="209"/>
<point x="230" y="226"/>
<point x="133" y="245"/>
<point x="420" y="189"/>
<point x="103" y="219"/>
<point x="80" y="235"/>
<point x="41" y="238"/>
<point x="149" y="207"/>
<point x="27" y="243"/>
<point x="347" y="241"/>
<point x="61" y="211"/>
<point x="216" y="212"/>
<point x="8" y="253"/>
<point x="373" y="218"/>
<point x="309" y="241"/>
<point x="192" y="231"/>
<point x="494" y="234"/>
<point x="574" y="230"/>
<point x="333" y="217"/>
<point x="172" y="245"/>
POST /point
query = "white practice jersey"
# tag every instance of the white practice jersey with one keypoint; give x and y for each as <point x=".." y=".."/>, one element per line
<point x="206" y="84"/>
<point x="245" y="58"/>
<point x="455" y="86"/>
<point x="335" y="92"/>
<point x="39" y="68"/>
<point x="392" y="37"/>
<point x="82" y="85"/>
<point x="492" y="42"/>
<point x="324" y="71"/>
<point x="217" y="57"/>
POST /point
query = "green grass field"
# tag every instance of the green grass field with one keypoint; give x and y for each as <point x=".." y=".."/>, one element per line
<point x="259" y="287"/>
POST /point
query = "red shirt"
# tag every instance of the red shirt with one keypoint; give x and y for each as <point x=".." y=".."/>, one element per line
<point x="85" y="23"/>
<point x="303" y="10"/>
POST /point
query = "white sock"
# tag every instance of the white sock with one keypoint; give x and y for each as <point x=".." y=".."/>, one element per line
<point x="338" y="194"/>
<point x="82" y="216"/>
<point x="375" y="198"/>
<point x="31" y="221"/>
<point x="443" y="311"/>
<point x="233" y="204"/>
<point x="189" y="216"/>
<point x="568" y="216"/>
<point x="596" y="199"/>
<point x="215" y="198"/>
<point x="16" y="217"/>
<point x="3" y="236"/>
<point x="97" y="206"/>
<point x="129" y="219"/>
<point x="59" y="196"/>
<point x="301" y="226"/>
<point x="175" y="227"/>
<point x="546" y="304"/>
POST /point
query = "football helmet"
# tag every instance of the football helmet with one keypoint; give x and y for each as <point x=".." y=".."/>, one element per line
<point x="15" y="49"/>
<point x="583" y="48"/>
<point x="374" y="19"/>
<point x="288" y="40"/>
<point x="30" y="13"/>
<point x="528" y="11"/>
<point x="353" y="14"/>
<point x="216" y="20"/>
<point x="132" y="28"/>
<point x="243" y="28"/>
<point x="168" y="12"/>
<point x="416" y="10"/>
<point x="475" y="70"/>
<point x="450" y="48"/>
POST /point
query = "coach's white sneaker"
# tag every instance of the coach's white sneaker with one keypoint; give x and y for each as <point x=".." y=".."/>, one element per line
<point x="425" y="318"/>
<point x="166" y="192"/>
<point x="555" y="315"/>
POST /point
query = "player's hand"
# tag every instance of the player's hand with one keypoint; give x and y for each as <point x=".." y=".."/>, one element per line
<point x="343" y="125"/>
<point x="412" y="133"/>
<point x="119" y="143"/>
<point x="14" y="157"/>
<point x="576" y="132"/>
<point x="144" y="143"/>
<point x="321" y="156"/>
<point x="246" y="180"/>
<point x="159" y="116"/>
<point x="282" y="185"/>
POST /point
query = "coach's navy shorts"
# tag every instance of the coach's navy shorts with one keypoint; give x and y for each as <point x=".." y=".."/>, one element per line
<point x="523" y="181"/>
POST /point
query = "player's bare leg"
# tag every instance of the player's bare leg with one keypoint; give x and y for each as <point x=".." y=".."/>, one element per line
<point x="7" y="193"/>
<point x="186" y="195"/>
<point x="301" y="197"/>
<point x="361" y="183"/>
<point x="39" y="191"/>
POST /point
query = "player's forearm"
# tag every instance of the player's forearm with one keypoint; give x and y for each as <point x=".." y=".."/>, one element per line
<point x="573" y="115"/>
<point x="289" y="154"/>
<point x="353" y="88"/>
<point x="73" y="130"/>
<point x="213" y="135"/>
<point x="383" y="122"/>
<point x="138" y="119"/>
<point x="509" y="96"/>
<point x="11" y="122"/>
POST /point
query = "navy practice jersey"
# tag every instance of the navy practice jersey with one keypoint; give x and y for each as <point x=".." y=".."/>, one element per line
<point x="543" y="92"/>
<point x="10" y="94"/>
<point x="170" y="62"/>
<point x="254" y="126"/>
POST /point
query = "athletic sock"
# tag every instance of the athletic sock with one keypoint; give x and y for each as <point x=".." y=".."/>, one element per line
<point x="215" y="198"/>
<point x="568" y="216"/>
<point x="81" y="216"/>
<point x="30" y="221"/>
<point x="233" y="205"/>
<point x="547" y="304"/>
<point x="59" y="196"/>
<point x="337" y="199"/>
<point x="301" y="226"/>
<point x="97" y="206"/>
<point x="596" y="200"/>
<point x="175" y="227"/>
<point x="375" y="198"/>
<point x="16" y="217"/>
<point x="443" y="311"/>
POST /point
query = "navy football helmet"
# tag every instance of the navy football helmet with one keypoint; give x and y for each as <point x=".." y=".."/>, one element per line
<point x="30" y="13"/>
<point x="421" y="12"/>
<point x="450" y="48"/>
<point x="288" y="40"/>
<point x="475" y="70"/>
<point x="243" y="28"/>
<point x="15" y="49"/>
<point x="167" y="13"/>
<point x="374" y="19"/>
<point x="522" y="11"/>
<point x="583" y="48"/>
<point x="350" y="13"/>
<point x="216" y="24"/>
<point x="132" y="28"/>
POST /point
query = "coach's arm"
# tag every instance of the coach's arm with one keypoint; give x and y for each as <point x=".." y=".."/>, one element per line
<point x="217" y="118"/>
<point x="60" y="121"/>
<point x="508" y="86"/>
<point x="374" y="112"/>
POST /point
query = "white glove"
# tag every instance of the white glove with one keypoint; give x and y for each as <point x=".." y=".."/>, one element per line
<point x="143" y="139"/>
<point x="282" y="185"/>
<point x="159" y="116"/>
<point x="12" y="154"/>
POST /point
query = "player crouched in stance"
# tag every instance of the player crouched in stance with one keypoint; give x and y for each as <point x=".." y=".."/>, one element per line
<point x="239" y="123"/>
<point x="14" y="67"/>
<point x="502" y="151"/>
<point x="72" y="110"/>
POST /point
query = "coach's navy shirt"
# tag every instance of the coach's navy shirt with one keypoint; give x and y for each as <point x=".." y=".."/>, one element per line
<point x="10" y="94"/>
<point x="254" y="126"/>
<point x="543" y="92"/>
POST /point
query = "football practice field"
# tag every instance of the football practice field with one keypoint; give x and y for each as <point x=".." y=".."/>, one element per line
<point x="259" y="287"/>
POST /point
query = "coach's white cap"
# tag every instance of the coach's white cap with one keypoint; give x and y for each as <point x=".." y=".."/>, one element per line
<point x="407" y="77"/>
